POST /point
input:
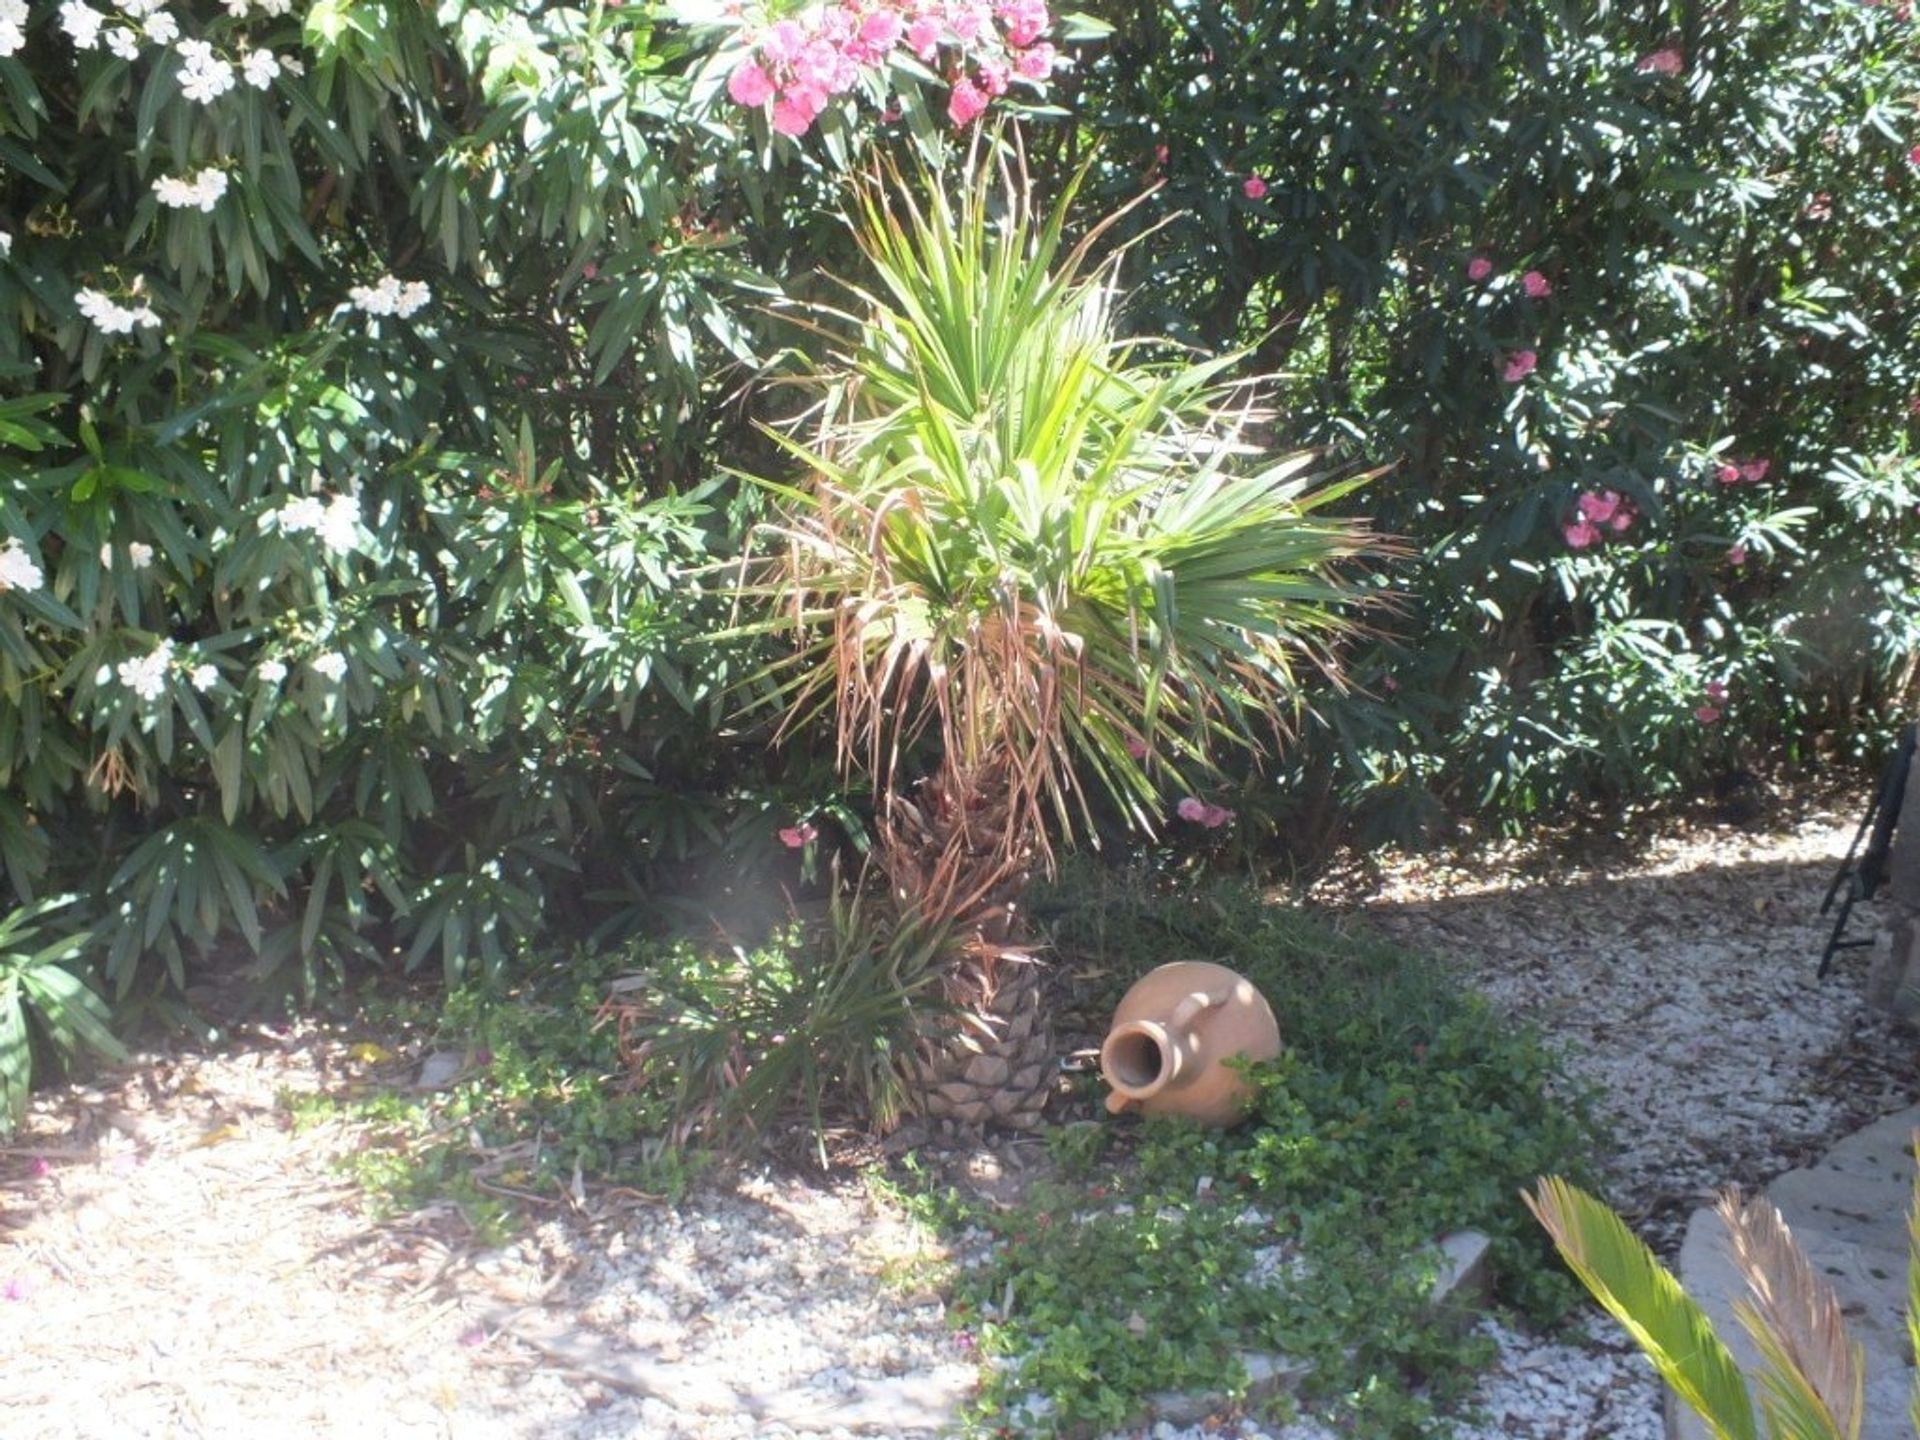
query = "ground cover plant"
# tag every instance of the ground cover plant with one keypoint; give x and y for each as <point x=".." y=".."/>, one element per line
<point x="1401" y="1110"/>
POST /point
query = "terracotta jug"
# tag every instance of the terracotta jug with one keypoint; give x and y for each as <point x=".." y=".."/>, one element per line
<point x="1172" y="1031"/>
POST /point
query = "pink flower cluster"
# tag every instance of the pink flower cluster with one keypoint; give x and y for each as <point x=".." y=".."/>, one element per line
<point x="1595" y="515"/>
<point x="1534" y="284"/>
<point x="800" y="63"/>
<point x="1708" y="713"/>
<point x="1200" y="812"/>
<point x="1732" y="472"/>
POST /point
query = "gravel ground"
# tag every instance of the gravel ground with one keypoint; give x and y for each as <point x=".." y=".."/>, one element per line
<point x="175" y="1261"/>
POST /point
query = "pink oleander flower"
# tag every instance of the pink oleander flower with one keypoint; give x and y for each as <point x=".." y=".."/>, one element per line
<point x="1580" y="534"/>
<point x="1160" y="154"/>
<point x="1479" y="268"/>
<point x="40" y="1168"/>
<point x="1754" y="471"/>
<point x="750" y="85"/>
<point x="1706" y="714"/>
<point x="966" y="104"/>
<point x="1913" y="155"/>
<point x="1716" y="690"/>
<point x="879" y="33"/>
<point x="590" y="271"/>
<point x="796" y="836"/>
<point x="1254" y="188"/>
<point x="969" y="22"/>
<point x="1599" y="508"/>
<point x="1737" y="555"/>
<point x="1727" y="474"/>
<point x="17" y="1288"/>
<point x="1389" y="684"/>
<point x="1536" y="285"/>
<point x="993" y="78"/>
<point x="923" y="37"/>
<point x="1199" y="812"/>
<point x="795" y="111"/>
<point x="1136" y="748"/>
<point x="1520" y="364"/>
<point x="1668" y="61"/>
<point x="1036" y="62"/>
<point x="1026" y="20"/>
<point x="1622" y="519"/>
<point x="783" y="43"/>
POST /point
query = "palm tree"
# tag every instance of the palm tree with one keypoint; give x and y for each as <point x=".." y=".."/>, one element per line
<point x="1029" y="556"/>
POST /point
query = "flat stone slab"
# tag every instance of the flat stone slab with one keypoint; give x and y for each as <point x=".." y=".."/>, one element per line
<point x="1849" y="1213"/>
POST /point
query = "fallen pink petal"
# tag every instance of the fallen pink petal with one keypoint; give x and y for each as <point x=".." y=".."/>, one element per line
<point x="1192" y="808"/>
<point x="1214" y="816"/>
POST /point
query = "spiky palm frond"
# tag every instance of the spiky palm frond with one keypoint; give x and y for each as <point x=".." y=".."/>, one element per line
<point x="1813" y="1376"/>
<point x="1028" y="538"/>
<point x="1639" y="1292"/>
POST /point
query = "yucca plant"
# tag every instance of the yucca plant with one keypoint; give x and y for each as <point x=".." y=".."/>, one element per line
<point x="1029" y="554"/>
<point x="1811" y="1375"/>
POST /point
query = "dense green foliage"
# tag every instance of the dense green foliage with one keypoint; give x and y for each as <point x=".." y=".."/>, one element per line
<point x="1401" y="1111"/>
<point x="1718" y="205"/>
<point x="374" y="378"/>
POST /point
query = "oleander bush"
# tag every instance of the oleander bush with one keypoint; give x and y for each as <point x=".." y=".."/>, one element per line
<point x="1625" y="298"/>
<point x="366" y="381"/>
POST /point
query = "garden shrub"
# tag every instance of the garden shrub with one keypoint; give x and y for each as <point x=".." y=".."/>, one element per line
<point x="361" y="410"/>
<point x="1614" y="293"/>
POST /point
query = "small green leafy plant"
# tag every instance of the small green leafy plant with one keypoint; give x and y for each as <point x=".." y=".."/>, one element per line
<point x="44" y="996"/>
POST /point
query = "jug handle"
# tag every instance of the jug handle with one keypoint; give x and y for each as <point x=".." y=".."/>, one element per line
<point x="1190" y="1007"/>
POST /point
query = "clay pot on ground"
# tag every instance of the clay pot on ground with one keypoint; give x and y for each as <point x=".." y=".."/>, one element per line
<point x="1175" y="1029"/>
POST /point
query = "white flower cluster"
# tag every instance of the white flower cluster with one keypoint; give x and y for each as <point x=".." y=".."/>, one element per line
<point x="13" y="26"/>
<point x="204" y="678"/>
<point x="238" y="9"/>
<point x="271" y="672"/>
<point x="259" y="66"/>
<point x="202" y="192"/>
<point x="18" y="569"/>
<point x="112" y="318"/>
<point x="147" y="676"/>
<point x="390" y="297"/>
<point x="205" y="77"/>
<point x="333" y="665"/>
<point x="6" y="244"/>
<point x="336" y="520"/>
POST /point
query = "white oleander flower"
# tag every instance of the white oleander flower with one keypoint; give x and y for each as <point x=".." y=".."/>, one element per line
<point x="106" y="556"/>
<point x="333" y="665"/>
<point x="296" y="517"/>
<point x="202" y="192"/>
<point x="147" y="676"/>
<point x="388" y="296"/>
<point x="140" y="553"/>
<point x="339" y="524"/>
<point x="6" y="244"/>
<point x="82" y="23"/>
<point x="272" y="672"/>
<point x="161" y="28"/>
<point x="259" y="67"/>
<point x="237" y="9"/>
<point x="112" y="318"/>
<point x="18" y="569"/>
<point x="13" y="26"/>
<point x="123" y="43"/>
<point x="204" y="678"/>
<point x="205" y="77"/>
<point x="293" y="65"/>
